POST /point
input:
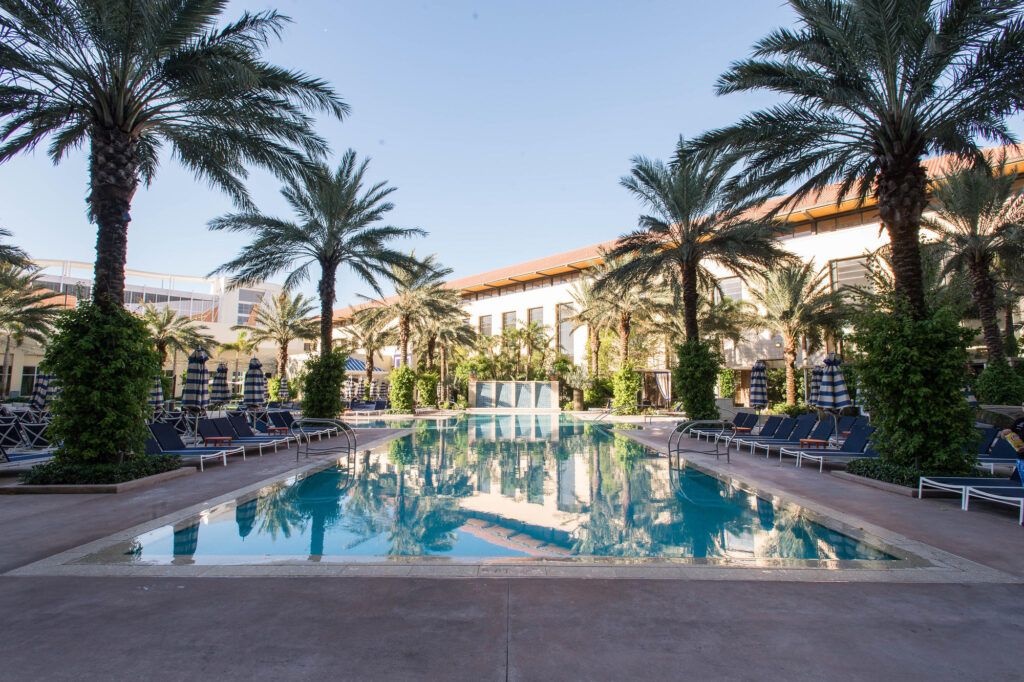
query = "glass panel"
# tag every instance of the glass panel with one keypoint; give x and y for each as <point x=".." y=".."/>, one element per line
<point x="565" y="327"/>
<point x="544" y="396"/>
<point x="524" y="395"/>
<point x="485" y="394"/>
<point x="485" y="325"/>
<point x="535" y="315"/>
<point x="848" y="272"/>
<point x="508" y="320"/>
<point x="505" y="394"/>
<point x="732" y="287"/>
<point x="28" y="380"/>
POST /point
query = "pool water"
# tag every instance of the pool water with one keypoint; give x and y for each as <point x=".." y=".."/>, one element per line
<point x="493" y="488"/>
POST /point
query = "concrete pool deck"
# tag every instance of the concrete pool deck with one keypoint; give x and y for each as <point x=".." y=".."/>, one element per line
<point x="69" y="627"/>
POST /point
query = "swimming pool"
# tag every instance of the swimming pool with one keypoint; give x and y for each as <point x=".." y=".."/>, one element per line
<point x="492" y="488"/>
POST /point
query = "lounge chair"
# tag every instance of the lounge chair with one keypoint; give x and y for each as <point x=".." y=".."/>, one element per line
<point x="820" y="435"/>
<point x="800" y="429"/>
<point x="1001" y="453"/>
<point x="22" y="456"/>
<point x="1012" y="496"/>
<point x="742" y="422"/>
<point x="767" y="430"/>
<point x="286" y="420"/>
<point x="960" y="484"/>
<point x="166" y="441"/>
<point x="10" y="434"/>
<point x="226" y="428"/>
<point x="856" y="446"/>
<point x="35" y="435"/>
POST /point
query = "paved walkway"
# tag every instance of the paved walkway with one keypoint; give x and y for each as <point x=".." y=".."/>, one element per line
<point x="64" y="628"/>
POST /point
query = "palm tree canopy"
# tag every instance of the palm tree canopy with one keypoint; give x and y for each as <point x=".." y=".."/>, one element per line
<point x="285" y="319"/>
<point x="243" y="345"/>
<point x="164" y="73"/>
<point x="27" y="309"/>
<point x="11" y="255"/>
<point x="178" y="333"/>
<point x="798" y="303"/>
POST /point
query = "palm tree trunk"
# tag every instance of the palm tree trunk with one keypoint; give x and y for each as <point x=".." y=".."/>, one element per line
<point x="174" y="375"/>
<point x="403" y="339"/>
<point x="326" y="310"/>
<point x="985" y="297"/>
<point x="444" y="374"/>
<point x="113" y="177"/>
<point x="7" y="368"/>
<point x="789" y="354"/>
<point x="1011" y="338"/>
<point x="282" y="363"/>
<point x="901" y="188"/>
<point x="689" y="284"/>
<point x="369" y="366"/>
<point x="431" y="347"/>
<point x="624" y="324"/>
<point x="595" y="349"/>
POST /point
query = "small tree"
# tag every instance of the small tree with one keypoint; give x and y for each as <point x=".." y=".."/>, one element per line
<point x="324" y="374"/>
<point x="626" y="384"/>
<point x="694" y="378"/>
<point x="403" y="386"/>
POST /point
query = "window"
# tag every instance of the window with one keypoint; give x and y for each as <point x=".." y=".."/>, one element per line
<point x="535" y="315"/>
<point x="848" y="272"/>
<point x="250" y="295"/>
<point x="485" y="325"/>
<point x="731" y="287"/>
<point x="508" y="320"/>
<point x="28" y="380"/>
<point x="565" y="328"/>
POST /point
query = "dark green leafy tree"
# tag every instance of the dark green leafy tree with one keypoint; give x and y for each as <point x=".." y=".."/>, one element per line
<point x="979" y="217"/>
<point x="336" y="225"/>
<point x="871" y="88"/>
<point x="691" y="222"/>
<point x="135" y="79"/>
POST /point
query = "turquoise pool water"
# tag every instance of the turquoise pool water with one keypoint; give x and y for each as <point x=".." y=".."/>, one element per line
<point x="482" y="488"/>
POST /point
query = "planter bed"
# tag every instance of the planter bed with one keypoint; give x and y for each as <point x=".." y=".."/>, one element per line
<point x="93" y="489"/>
<point x="875" y="483"/>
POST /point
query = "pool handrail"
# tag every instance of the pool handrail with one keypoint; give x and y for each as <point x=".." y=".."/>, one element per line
<point x="299" y="430"/>
<point x="685" y="427"/>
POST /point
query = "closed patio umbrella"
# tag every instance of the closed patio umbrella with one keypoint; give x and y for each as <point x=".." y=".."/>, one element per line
<point x="156" y="395"/>
<point x="833" y="394"/>
<point x="812" y="399"/>
<point x="220" y="392"/>
<point x="41" y="392"/>
<point x="759" y="385"/>
<point x="255" y="387"/>
<point x="282" y="390"/>
<point x="196" y="395"/>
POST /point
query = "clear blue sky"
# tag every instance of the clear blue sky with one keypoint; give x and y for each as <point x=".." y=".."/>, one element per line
<point x="505" y="125"/>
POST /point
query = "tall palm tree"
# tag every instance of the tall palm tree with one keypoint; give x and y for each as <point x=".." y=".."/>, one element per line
<point x="10" y="254"/>
<point x="453" y="332"/>
<point x="242" y="345"/>
<point x="624" y="296"/>
<point x="368" y="335"/>
<point x="286" y="318"/>
<point x="979" y="217"/>
<point x="337" y="224"/>
<point x="590" y="311"/>
<point x="173" y="332"/>
<point x="691" y="223"/>
<point x="27" y="312"/>
<point x="873" y="88"/>
<point x="535" y="338"/>
<point x="420" y="294"/>
<point x="128" y="78"/>
<point x="800" y="306"/>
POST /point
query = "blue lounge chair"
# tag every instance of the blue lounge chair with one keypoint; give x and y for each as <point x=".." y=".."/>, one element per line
<point x="226" y="428"/>
<point x="822" y="432"/>
<point x="802" y="428"/>
<point x="166" y="441"/>
<point x="286" y="420"/>
<point x="960" y="484"/>
<point x="1001" y="453"/>
<point x="740" y="420"/>
<point x="767" y="430"/>
<point x="1012" y="496"/>
<point x="856" y="446"/>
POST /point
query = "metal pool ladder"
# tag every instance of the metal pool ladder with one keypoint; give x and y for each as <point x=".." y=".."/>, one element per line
<point x="675" y="439"/>
<point x="345" y="432"/>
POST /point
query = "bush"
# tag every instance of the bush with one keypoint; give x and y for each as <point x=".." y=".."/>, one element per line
<point x="426" y="386"/>
<point x="789" y="409"/>
<point x="321" y="389"/>
<point x="625" y="385"/>
<point x="104" y="361"/>
<point x="999" y="385"/>
<point x="403" y="387"/>
<point x="894" y="473"/>
<point x="598" y="393"/>
<point x="65" y="472"/>
<point x="274" y="388"/>
<point x="167" y="384"/>
<point x="694" y="379"/>
<point x="727" y="383"/>
<point x="913" y="373"/>
<point x="776" y="387"/>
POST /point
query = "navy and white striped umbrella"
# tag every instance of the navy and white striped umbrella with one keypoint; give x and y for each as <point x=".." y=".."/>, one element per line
<point x="816" y="374"/>
<point x="220" y="392"/>
<point x="156" y="395"/>
<point x="759" y="385"/>
<point x="197" y="392"/>
<point x="42" y="392"/>
<point x="971" y="399"/>
<point x="833" y="394"/>
<point x="282" y="390"/>
<point x="255" y="386"/>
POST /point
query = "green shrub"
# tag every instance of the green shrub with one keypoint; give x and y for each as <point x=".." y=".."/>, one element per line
<point x="727" y="383"/>
<point x="567" y="406"/>
<point x="598" y="393"/>
<point x="789" y="409"/>
<point x="167" y="384"/>
<point x="321" y="390"/>
<point x="65" y="472"/>
<point x="913" y="373"/>
<point x="694" y="379"/>
<point x="426" y="386"/>
<point x="403" y="387"/>
<point x="104" y="361"/>
<point x="625" y="385"/>
<point x="894" y="473"/>
<point x="999" y="385"/>
<point x="1010" y="345"/>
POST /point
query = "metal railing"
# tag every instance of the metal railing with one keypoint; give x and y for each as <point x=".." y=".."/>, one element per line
<point x="304" y="428"/>
<point x="675" y="439"/>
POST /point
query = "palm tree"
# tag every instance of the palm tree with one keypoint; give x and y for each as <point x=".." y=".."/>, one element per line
<point x="535" y="337"/>
<point x="691" y="223"/>
<point x="453" y="332"/>
<point x="369" y="335"/>
<point x="26" y="312"/>
<point x="801" y="306"/>
<point x="420" y="295"/>
<point x="129" y="78"/>
<point x="281" y="322"/>
<point x="590" y="311"/>
<point x="173" y="332"/>
<point x="11" y="255"/>
<point x="979" y="217"/>
<point x="243" y="345"/>
<point x="337" y="225"/>
<point x="873" y="88"/>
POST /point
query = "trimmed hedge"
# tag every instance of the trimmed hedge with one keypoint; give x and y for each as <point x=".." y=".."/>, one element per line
<point x="63" y="472"/>
<point x="403" y="386"/>
<point x="900" y="475"/>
